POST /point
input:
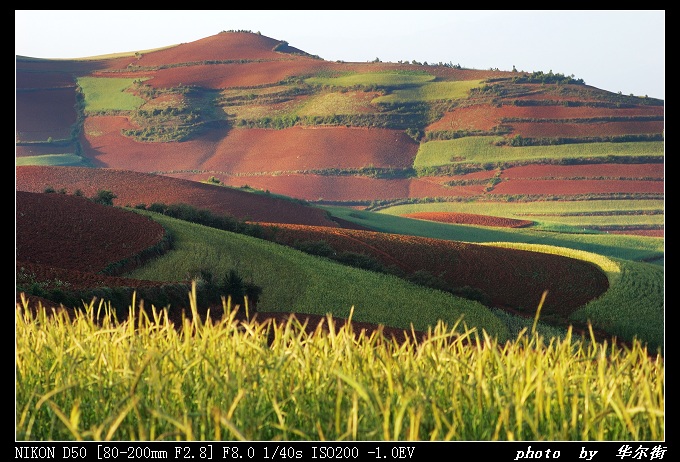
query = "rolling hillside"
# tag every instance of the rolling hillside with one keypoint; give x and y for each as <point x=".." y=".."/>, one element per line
<point x="248" y="126"/>
<point x="245" y="109"/>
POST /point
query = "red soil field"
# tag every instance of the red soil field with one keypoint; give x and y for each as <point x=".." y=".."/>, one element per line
<point x="572" y="187"/>
<point x="249" y="150"/>
<point x="612" y="171"/>
<point x="512" y="278"/>
<point x="41" y="114"/>
<point x="485" y="117"/>
<point x="599" y="129"/>
<point x="74" y="233"/>
<point x="222" y="46"/>
<point x="470" y="219"/>
<point x="344" y="188"/>
<point x="640" y="232"/>
<point x="77" y="280"/>
<point x="106" y="147"/>
<point x="217" y="76"/>
<point x="133" y="188"/>
<point x="303" y="148"/>
<point x="562" y="93"/>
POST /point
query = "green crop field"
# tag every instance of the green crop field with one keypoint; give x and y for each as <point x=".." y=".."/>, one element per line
<point x="52" y="159"/>
<point x="430" y="91"/>
<point x="108" y="94"/>
<point x="373" y="79"/>
<point x="481" y="150"/>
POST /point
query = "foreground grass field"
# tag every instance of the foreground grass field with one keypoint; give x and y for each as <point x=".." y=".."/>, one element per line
<point x="148" y="380"/>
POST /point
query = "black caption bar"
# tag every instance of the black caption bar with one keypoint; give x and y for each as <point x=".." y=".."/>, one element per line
<point x="378" y="450"/>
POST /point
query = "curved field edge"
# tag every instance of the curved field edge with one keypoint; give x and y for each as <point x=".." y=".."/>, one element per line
<point x="632" y="307"/>
<point x="634" y="248"/>
<point x="293" y="281"/>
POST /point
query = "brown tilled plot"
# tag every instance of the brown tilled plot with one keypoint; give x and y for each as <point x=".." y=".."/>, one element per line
<point x="133" y="188"/>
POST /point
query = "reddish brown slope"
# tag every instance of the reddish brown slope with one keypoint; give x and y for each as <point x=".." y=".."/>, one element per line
<point x="486" y="116"/>
<point x="221" y="46"/>
<point x="345" y="188"/>
<point x="470" y="219"/>
<point x="306" y="148"/>
<point x="45" y="105"/>
<point x="240" y="151"/>
<point x="74" y="233"/>
<point x="132" y="188"/>
<point x="44" y="114"/>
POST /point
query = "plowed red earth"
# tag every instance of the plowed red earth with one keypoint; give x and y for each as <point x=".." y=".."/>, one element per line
<point x="74" y="233"/>
<point x="575" y="187"/>
<point x="217" y="76"/>
<point x="485" y="117"/>
<point x="27" y="80"/>
<point x="470" y="219"/>
<point x="133" y="188"/>
<point x="346" y="188"/>
<point x="581" y="130"/>
<point x="41" y="114"/>
<point x="250" y="150"/>
<point x="593" y="171"/>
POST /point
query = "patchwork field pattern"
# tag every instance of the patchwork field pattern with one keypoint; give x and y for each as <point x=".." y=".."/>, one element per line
<point x="242" y="110"/>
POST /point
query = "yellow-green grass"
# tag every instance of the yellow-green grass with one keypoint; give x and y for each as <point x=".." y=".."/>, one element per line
<point x="613" y="220"/>
<point x="108" y="94"/>
<point x="294" y="281"/>
<point x="373" y="79"/>
<point x="253" y="93"/>
<point x="635" y="248"/>
<point x="70" y="160"/>
<point x="258" y="111"/>
<point x="144" y="380"/>
<point x="430" y="91"/>
<point x="333" y="103"/>
<point x="632" y="307"/>
<point x="575" y="213"/>
<point x="481" y="149"/>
